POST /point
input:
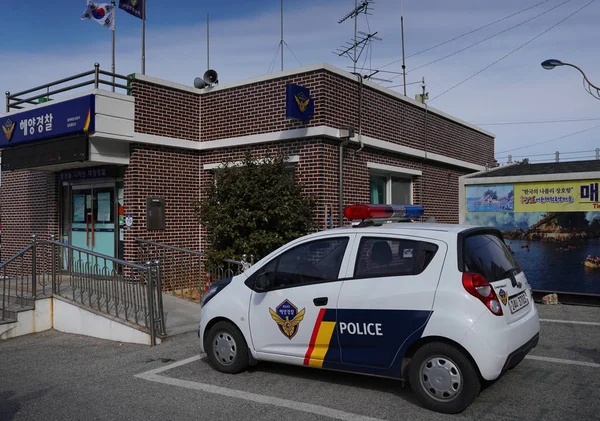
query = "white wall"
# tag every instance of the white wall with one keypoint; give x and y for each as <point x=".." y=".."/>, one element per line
<point x="68" y="318"/>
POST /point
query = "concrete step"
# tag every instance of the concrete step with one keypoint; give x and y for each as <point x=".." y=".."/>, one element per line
<point x="7" y="321"/>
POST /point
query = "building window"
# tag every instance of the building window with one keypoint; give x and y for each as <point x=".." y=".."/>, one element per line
<point x="391" y="189"/>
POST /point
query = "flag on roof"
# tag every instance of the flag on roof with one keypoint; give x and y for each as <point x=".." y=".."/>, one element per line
<point x="103" y="13"/>
<point x="133" y="7"/>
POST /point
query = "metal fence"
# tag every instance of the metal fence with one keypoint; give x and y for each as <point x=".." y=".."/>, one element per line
<point x="43" y="93"/>
<point x="185" y="273"/>
<point x="126" y="291"/>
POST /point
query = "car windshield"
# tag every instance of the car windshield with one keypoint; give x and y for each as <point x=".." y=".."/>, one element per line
<point x="487" y="255"/>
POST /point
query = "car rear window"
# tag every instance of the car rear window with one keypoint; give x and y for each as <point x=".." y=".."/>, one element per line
<point x="487" y="255"/>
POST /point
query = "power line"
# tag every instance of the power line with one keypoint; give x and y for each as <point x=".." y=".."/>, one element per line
<point x="488" y="38"/>
<point x="551" y="140"/>
<point x="513" y="51"/>
<point x="502" y="123"/>
<point x="546" y="154"/>
<point x="466" y="33"/>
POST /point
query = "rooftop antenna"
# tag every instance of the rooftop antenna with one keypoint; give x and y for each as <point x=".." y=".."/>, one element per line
<point x="281" y="42"/>
<point x="353" y="14"/>
<point x="403" y="59"/>
<point x="207" y="44"/>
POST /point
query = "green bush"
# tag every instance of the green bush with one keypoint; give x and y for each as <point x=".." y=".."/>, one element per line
<point x="253" y="209"/>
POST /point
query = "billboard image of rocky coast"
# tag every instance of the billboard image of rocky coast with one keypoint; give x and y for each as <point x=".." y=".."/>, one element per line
<point x="552" y="229"/>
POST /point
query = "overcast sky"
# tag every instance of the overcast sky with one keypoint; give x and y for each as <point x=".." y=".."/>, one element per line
<point x="44" y="41"/>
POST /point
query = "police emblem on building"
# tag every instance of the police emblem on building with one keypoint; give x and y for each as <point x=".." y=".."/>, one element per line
<point x="299" y="105"/>
<point x="503" y="296"/>
<point x="8" y="128"/>
<point x="302" y="101"/>
<point x="287" y="317"/>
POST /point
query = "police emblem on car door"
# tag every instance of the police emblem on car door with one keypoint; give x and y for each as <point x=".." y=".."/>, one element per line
<point x="288" y="318"/>
<point x="291" y="293"/>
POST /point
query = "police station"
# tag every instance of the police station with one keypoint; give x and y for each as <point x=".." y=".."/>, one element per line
<point x="97" y="163"/>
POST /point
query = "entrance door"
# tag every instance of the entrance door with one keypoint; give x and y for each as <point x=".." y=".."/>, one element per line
<point x="93" y="221"/>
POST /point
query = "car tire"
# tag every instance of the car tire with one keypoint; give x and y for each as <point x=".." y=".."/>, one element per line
<point x="226" y="348"/>
<point x="456" y="383"/>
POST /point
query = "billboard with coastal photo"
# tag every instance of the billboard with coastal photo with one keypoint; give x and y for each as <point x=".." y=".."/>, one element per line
<point x="552" y="228"/>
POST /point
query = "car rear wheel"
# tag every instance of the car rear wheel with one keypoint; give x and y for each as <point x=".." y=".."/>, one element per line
<point x="226" y="348"/>
<point x="443" y="378"/>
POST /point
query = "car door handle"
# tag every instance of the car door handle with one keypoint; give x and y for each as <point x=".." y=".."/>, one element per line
<point x="320" y="301"/>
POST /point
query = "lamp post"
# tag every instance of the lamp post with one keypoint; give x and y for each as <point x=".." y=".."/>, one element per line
<point x="552" y="63"/>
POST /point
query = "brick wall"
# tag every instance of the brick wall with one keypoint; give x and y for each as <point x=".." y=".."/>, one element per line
<point x="260" y="108"/>
<point x="436" y="189"/>
<point x="28" y="205"/>
<point x="317" y="171"/>
<point x="169" y="173"/>
<point x="257" y="108"/>
<point x="388" y="118"/>
<point x="165" y="111"/>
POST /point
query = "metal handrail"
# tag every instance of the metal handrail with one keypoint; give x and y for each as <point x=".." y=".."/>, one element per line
<point x="30" y="100"/>
<point x="15" y="100"/>
<point x="118" y="288"/>
<point x="16" y="256"/>
<point x="58" y="82"/>
<point x="93" y="253"/>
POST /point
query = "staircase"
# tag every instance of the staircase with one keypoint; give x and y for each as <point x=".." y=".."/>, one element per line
<point x="57" y="284"/>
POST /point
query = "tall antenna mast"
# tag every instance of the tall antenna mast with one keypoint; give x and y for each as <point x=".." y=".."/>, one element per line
<point x="358" y="9"/>
<point x="403" y="60"/>
<point x="281" y="42"/>
<point x="207" y="44"/>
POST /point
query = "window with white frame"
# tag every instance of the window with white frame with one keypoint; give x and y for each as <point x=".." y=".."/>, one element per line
<point x="290" y="166"/>
<point x="391" y="185"/>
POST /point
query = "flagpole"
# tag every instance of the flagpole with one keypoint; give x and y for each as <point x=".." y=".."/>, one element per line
<point x="113" y="46"/>
<point x="144" y="37"/>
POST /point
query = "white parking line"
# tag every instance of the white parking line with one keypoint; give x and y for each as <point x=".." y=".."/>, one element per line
<point x="570" y="321"/>
<point x="561" y="361"/>
<point x="153" y="375"/>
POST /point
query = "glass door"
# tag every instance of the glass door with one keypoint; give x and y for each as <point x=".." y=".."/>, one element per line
<point x="93" y="221"/>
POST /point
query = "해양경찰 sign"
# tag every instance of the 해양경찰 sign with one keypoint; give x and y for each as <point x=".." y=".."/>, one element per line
<point x="49" y="121"/>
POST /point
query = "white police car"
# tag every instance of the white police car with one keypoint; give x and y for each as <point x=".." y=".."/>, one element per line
<point x="445" y="307"/>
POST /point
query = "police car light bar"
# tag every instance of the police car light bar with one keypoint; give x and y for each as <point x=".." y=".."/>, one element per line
<point x="383" y="212"/>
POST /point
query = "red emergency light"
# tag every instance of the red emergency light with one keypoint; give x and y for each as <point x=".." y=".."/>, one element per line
<point x="382" y="212"/>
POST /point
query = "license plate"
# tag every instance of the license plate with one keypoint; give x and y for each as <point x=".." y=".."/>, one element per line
<point x="517" y="302"/>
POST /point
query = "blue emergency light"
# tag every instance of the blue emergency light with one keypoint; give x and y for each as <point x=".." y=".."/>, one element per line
<point x="383" y="212"/>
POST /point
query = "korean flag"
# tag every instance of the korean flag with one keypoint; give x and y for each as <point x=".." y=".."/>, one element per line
<point x="103" y="13"/>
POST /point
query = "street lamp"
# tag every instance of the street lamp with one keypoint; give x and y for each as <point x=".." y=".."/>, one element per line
<point x="552" y="63"/>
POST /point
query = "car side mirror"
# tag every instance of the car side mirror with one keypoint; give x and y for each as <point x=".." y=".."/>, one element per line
<point x="264" y="281"/>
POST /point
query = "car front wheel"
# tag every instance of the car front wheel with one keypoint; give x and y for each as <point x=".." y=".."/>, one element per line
<point x="226" y="348"/>
<point x="443" y="378"/>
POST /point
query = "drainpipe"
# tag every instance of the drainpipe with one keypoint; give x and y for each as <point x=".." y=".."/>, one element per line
<point x="360" y="95"/>
<point x="341" y="180"/>
<point x="341" y="153"/>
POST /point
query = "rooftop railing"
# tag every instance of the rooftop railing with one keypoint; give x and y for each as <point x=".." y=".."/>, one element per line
<point x="43" y="93"/>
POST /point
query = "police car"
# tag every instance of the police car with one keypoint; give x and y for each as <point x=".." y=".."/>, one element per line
<point x="444" y="307"/>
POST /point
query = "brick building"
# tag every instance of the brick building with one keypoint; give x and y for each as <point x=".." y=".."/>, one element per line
<point x="90" y="177"/>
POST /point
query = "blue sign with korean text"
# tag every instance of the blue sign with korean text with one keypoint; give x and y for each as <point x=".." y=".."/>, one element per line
<point x="84" y="173"/>
<point x="49" y="121"/>
<point x="298" y="103"/>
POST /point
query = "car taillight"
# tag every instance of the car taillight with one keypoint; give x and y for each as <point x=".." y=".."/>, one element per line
<point x="480" y="288"/>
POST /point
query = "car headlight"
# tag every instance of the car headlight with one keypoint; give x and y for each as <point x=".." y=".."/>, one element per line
<point x="213" y="290"/>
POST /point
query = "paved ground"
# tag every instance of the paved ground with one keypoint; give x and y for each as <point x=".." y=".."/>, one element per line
<point x="54" y="376"/>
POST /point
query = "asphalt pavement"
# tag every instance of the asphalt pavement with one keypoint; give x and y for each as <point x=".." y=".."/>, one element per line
<point x="55" y="376"/>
